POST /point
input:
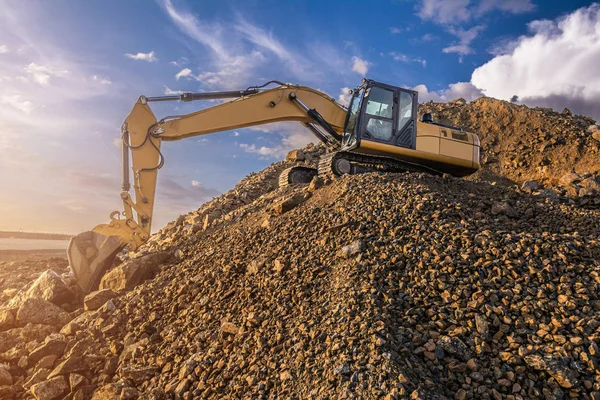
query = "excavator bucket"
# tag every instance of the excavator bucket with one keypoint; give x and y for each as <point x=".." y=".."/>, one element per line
<point x="90" y="255"/>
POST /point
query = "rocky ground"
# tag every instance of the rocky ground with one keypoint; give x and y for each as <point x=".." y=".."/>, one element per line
<point x="371" y="286"/>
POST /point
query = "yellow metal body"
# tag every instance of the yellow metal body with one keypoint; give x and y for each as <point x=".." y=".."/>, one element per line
<point x="441" y="148"/>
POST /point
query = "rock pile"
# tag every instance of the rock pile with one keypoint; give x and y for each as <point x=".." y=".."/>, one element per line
<point x="371" y="286"/>
<point x="522" y="143"/>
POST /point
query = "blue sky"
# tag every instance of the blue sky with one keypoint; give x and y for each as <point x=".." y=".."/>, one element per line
<point x="70" y="72"/>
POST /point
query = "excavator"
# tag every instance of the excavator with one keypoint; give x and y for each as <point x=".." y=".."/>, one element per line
<point x="378" y="131"/>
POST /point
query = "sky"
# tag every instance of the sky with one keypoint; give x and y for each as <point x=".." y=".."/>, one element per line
<point x="71" y="70"/>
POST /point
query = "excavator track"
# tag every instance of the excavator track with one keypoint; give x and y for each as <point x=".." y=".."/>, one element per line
<point x="340" y="163"/>
<point x="296" y="176"/>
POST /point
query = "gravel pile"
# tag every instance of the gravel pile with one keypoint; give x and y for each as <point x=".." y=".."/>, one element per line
<point x="372" y="286"/>
<point x="522" y="143"/>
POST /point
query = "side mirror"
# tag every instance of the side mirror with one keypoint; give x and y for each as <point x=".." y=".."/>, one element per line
<point x="427" y="118"/>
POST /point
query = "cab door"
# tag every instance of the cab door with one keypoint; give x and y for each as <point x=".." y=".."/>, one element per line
<point x="388" y="115"/>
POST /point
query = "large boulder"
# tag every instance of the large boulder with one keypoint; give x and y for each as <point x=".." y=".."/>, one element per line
<point x="130" y="274"/>
<point x="55" y="347"/>
<point x="37" y="311"/>
<point x="51" y="389"/>
<point x="49" y="286"/>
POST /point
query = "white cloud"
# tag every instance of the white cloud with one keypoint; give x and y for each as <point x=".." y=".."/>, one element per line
<point x="117" y="142"/>
<point x="169" y="91"/>
<point x="444" y="11"/>
<point x="101" y="80"/>
<point x="453" y="12"/>
<point x="344" y="97"/>
<point x="196" y="184"/>
<point x="16" y="101"/>
<point x="406" y="59"/>
<point x="394" y="30"/>
<point x="360" y="66"/>
<point x="3" y="49"/>
<point x="465" y="38"/>
<point x="555" y="65"/>
<point x="149" y="57"/>
<point x="465" y="90"/>
<point x="42" y="74"/>
<point x="183" y="73"/>
<point x="235" y="134"/>
<point x="293" y="136"/>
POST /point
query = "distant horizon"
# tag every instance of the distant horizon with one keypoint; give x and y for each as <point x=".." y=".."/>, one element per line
<point x="29" y="234"/>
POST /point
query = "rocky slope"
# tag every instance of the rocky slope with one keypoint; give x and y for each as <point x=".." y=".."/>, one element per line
<point x="371" y="286"/>
<point x="521" y="143"/>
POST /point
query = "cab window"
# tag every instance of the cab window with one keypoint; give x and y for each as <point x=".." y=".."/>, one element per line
<point x="406" y="110"/>
<point x="380" y="111"/>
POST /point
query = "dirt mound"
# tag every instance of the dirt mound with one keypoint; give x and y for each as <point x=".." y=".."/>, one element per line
<point x="521" y="143"/>
<point x="369" y="286"/>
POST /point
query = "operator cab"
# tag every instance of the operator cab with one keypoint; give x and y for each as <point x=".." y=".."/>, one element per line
<point x="381" y="113"/>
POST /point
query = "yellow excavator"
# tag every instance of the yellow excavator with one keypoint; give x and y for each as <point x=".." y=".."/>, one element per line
<point x="379" y="131"/>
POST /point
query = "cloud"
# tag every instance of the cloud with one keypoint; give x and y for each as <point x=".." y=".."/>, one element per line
<point x="554" y="65"/>
<point x="453" y="12"/>
<point x="465" y="38"/>
<point x="3" y="49"/>
<point x="395" y="30"/>
<point x="344" y="97"/>
<point x="444" y="11"/>
<point x="101" y="80"/>
<point x="360" y="66"/>
<point x="509" y="6"/>
<point x="149" y="57"/>
<point x="406" y="59"/>
<point x="183" y="73"/>
<point x="42" y="74"/>
<point x="15" y="101"/>
<point x="293" y="136"/>
<point x="170" y="92"/>
<point x="465" y="90"/>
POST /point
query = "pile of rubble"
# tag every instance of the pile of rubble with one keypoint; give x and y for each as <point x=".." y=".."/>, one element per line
<point x="527" y="144"/>
<point x="369" y="286"/>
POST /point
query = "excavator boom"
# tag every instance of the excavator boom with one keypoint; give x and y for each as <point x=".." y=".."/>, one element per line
<point x="92" y="253"/>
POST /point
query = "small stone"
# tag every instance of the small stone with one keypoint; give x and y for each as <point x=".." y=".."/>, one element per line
<point x="460" y="394"/>
<point x="229" y="328"/>
<point x="531" y="186"/>
<point x="343" y="369"/>
<point x="289" y="203"/>
<point x="503" y="208"/>
<point x="97" y="299"/>
<point x="7" y="320"/>
<point x="315" y="184"/>
<point x="5" y="376"/>
<point x="76" y="380"/>
<point x="354" y="248"/>
<point x="295" y="155"/>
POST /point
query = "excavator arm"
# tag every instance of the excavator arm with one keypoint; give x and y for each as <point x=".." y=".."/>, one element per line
<point x="91" y="253"/>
